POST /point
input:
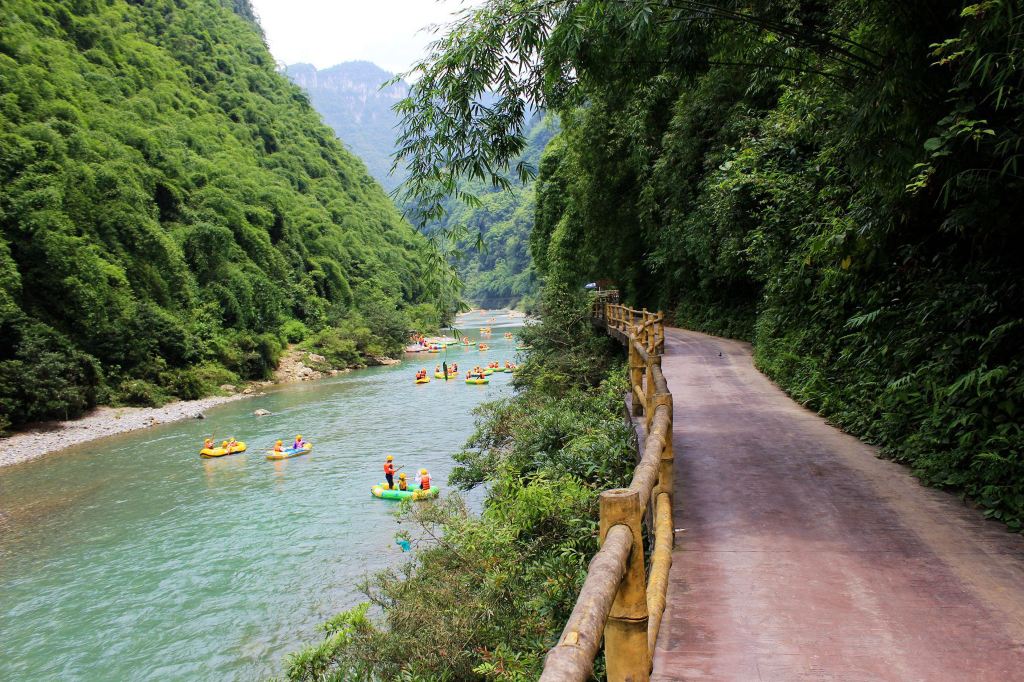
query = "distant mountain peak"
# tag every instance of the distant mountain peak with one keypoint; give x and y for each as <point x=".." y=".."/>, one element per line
<point x="351" y="99"/>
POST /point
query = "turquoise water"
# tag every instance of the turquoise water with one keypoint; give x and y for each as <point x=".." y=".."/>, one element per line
<point x="133" y="558"/>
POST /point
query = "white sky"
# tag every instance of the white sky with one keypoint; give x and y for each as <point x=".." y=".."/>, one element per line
<point x="327" y="32"/>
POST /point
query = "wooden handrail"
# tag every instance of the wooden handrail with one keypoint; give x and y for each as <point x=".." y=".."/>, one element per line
<point x="617" y="602"/>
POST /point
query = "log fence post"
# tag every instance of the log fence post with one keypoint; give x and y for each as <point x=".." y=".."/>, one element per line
<point x="625" y="634"/>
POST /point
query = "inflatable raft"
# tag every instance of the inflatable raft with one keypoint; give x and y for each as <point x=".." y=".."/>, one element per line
<point x="416" y="494"/>
<point x="451" y="375"/>
<point x="290" y="452"/>
<point x="220" y="452"/>
<point x="424" y="380"/>
<point x="478" y="381"/>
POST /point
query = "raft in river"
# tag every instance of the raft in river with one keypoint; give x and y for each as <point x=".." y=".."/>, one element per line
<point x="393" y="494"/>
<point x="290" y="452"/>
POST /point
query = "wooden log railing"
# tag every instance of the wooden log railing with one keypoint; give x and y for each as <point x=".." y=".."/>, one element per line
<point x="618" y="601"/>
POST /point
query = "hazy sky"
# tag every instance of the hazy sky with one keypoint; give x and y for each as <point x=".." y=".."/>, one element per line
<point x="326" y="32"/>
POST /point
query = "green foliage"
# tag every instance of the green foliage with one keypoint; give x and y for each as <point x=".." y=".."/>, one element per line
<point x="484" y="597"/>
<point x="839" y="183"/>
<point x="44" y="376"/>
<point x="491" y="234"/>
<point x="171" y="200"/>
<point x="294" y="331"/>
<point x="139" y="393"/>
<point x="343" y="347"/>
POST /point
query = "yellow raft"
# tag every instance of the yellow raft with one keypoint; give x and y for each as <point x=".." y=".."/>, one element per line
<point x="220" y="452"/>
<point x="424" y="380"/>
<point x="451" y="375"/>
<point x="478" y="381"/>
<point x="290" y="452"/>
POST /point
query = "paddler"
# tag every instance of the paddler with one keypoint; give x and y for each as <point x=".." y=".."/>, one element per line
<point x="423" y="480"/>
<point x="208" y="444"/>
<point x="299" y="443"/>
<point x="402" y="483"/>
<point x="231" y="444"/>
<point x="279" y="446"/>
<point x="389" y="471"/>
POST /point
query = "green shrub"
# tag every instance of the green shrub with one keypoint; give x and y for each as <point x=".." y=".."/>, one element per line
<point x="339" y="349"/>
<point x="44" y="376"/>
<point x="186" y="384"/>
<point x="140" y="393"/>
<point x="294" y="331"/>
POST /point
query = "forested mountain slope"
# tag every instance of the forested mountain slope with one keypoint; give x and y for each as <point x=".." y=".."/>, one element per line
<point x="351" y="100"/>
<point x="493" y="259"/>
<point x="839" y="182"/>
<point x="170" y="204"/>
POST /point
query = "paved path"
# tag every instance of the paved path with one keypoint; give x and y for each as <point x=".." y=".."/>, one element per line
<point x="807" y="558"/>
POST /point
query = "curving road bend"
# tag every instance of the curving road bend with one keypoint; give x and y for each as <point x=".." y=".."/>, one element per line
<point x="805" y="557"/>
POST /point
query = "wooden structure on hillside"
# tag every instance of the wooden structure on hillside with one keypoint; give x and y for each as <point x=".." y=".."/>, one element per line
<point x="618" y="600"/>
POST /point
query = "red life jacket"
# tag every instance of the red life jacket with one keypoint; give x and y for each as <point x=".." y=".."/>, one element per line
<point x="425" y="482"/>
<point x="389" y="468"/>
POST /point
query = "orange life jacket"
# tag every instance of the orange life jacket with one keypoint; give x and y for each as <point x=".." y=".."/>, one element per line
<point x="425" y="482"/>
<point x="389" y="468"/>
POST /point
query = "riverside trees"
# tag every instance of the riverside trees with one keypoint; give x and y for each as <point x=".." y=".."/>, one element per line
<point x="838" y="183"/>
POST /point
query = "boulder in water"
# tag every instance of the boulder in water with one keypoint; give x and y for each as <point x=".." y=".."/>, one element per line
<point x="262" y="413"/>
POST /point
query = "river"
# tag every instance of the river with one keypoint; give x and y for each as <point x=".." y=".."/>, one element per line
<point x="133" y="558"/>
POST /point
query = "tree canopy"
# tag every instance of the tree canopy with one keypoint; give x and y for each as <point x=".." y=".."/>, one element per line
<point x="838" y="182"/>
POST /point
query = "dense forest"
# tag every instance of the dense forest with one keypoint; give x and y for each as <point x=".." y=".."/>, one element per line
<point x="492" y="250"/>
<point x="173" y="210"/>
<point x="839" y="183"/>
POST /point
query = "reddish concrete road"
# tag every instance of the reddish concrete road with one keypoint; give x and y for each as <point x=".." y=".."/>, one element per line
<point x="807" y="558"/>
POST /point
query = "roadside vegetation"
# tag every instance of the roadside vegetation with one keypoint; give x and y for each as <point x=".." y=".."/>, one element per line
<point x="485" y="595"/>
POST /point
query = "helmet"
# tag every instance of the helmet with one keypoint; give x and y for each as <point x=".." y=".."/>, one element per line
<point x="223" y="443"/>
<point x="389" y="458"/>
<point x="423" y="472"/>
<point x="278" y="442"/>
<point x="298" y="437"/>
<point x="401" y="475"/>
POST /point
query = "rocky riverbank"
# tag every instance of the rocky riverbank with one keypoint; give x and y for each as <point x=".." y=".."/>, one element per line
<point x="42" y="439"/>
<point x="100" y="423"/>
<point x="299" y="365"/>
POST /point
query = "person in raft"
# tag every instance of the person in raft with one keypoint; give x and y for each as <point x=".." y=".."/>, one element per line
<point x="278" y="446"/>
<point x="231" y="444"/>
<point x="208" y="444"/>
<point x="299" y="443"/>
<point x="423" y="480"/>
<point x="389" y="471"/>
<point x="402" y="483"/>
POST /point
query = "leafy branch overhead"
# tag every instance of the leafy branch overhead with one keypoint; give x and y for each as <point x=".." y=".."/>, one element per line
<point x="503" y="61"/>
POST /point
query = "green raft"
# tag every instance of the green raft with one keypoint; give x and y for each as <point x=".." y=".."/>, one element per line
<point x="416" y="494"/>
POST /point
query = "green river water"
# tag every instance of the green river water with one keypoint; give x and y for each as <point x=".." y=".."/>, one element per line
<point x="132" y="558"/>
